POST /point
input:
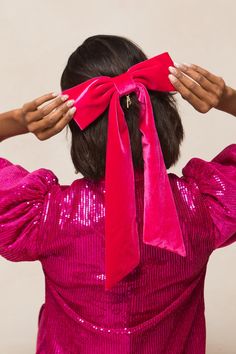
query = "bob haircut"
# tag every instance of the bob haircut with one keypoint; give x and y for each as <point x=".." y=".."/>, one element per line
<point x="111" y="56"/>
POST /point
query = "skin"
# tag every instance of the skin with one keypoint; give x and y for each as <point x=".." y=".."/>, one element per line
<point x="45" y="116"/>
<point x="207" y="91"/>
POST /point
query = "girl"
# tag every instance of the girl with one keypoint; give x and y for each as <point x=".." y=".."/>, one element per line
<point x="147" y="298"/>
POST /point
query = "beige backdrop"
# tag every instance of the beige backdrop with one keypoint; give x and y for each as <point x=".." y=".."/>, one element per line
<point x="36" y="38"/>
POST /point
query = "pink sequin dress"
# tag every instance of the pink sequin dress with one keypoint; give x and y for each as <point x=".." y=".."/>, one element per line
<point x="156" y="309"/>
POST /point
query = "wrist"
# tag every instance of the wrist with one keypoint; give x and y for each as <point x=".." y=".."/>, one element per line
<point x="17" y="115"/>
<point x="228" y="102"/>
<point x="18" y="118"/>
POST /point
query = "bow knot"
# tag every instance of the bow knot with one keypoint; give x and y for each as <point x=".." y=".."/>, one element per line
<point x="124" y="84"/>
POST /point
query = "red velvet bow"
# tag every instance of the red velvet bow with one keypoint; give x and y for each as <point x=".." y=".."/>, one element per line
<point x="160" y="224"/>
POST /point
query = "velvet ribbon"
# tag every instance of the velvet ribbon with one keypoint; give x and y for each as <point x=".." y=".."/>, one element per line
<point x="161" y="226"/>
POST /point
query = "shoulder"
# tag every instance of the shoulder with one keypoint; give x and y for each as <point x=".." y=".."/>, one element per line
<point x="200" y="169"/>
<point x="213" y="184"/>
<point x="19" y="186"/>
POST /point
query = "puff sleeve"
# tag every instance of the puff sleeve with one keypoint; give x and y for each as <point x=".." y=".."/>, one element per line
<point x="22" y="196"/>
<point x="216" y="180"/>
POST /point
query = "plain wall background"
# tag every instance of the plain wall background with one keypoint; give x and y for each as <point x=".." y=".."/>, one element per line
<point x="36" y="39"/>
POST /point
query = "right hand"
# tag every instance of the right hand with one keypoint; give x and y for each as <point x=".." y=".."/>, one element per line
<point x="205" y="92"/>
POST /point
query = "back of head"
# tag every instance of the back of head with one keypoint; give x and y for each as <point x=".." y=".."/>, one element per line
<point x="111" y="56"/>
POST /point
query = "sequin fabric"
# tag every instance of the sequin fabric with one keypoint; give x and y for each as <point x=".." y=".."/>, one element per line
<point x="159" y="307"/>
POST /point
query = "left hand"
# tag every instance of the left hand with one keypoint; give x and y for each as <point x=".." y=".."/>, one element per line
<point x="47" y="120"/>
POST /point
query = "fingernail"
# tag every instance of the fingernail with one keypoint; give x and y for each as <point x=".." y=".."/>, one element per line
<point x="55" y="94"/>
<point x="64" y="97"/>
<point x="72" y="110"/>
<point x="178" y="65"/>
<point x="172" y="78"/>
<point x="172" y="70"/>
<point x="70" y="103"/>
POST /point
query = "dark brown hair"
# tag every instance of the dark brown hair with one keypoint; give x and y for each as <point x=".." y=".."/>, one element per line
<point x="110" y="56"/>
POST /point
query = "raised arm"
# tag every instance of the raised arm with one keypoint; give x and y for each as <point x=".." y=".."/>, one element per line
<point x="43" y="121"/>
<point x="202" y="89"/>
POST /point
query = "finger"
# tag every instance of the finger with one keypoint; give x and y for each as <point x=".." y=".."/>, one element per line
<point x="203" y="78"/>
<point x="45" y="98"/>
<point x="46" y="134"/>
<point x="195" y="101"/>
<point x="44" y="111"/>
<point x="50" y="107"/>
<point x="208" y="75"/>
<point x="33" y="105"/>
<point x="51" y="119"/>
<point x="194" y="87"/>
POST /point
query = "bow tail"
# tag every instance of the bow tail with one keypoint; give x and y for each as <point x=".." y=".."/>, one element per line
<point x="161" y="224"/>
<point x="121" y="233"/>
